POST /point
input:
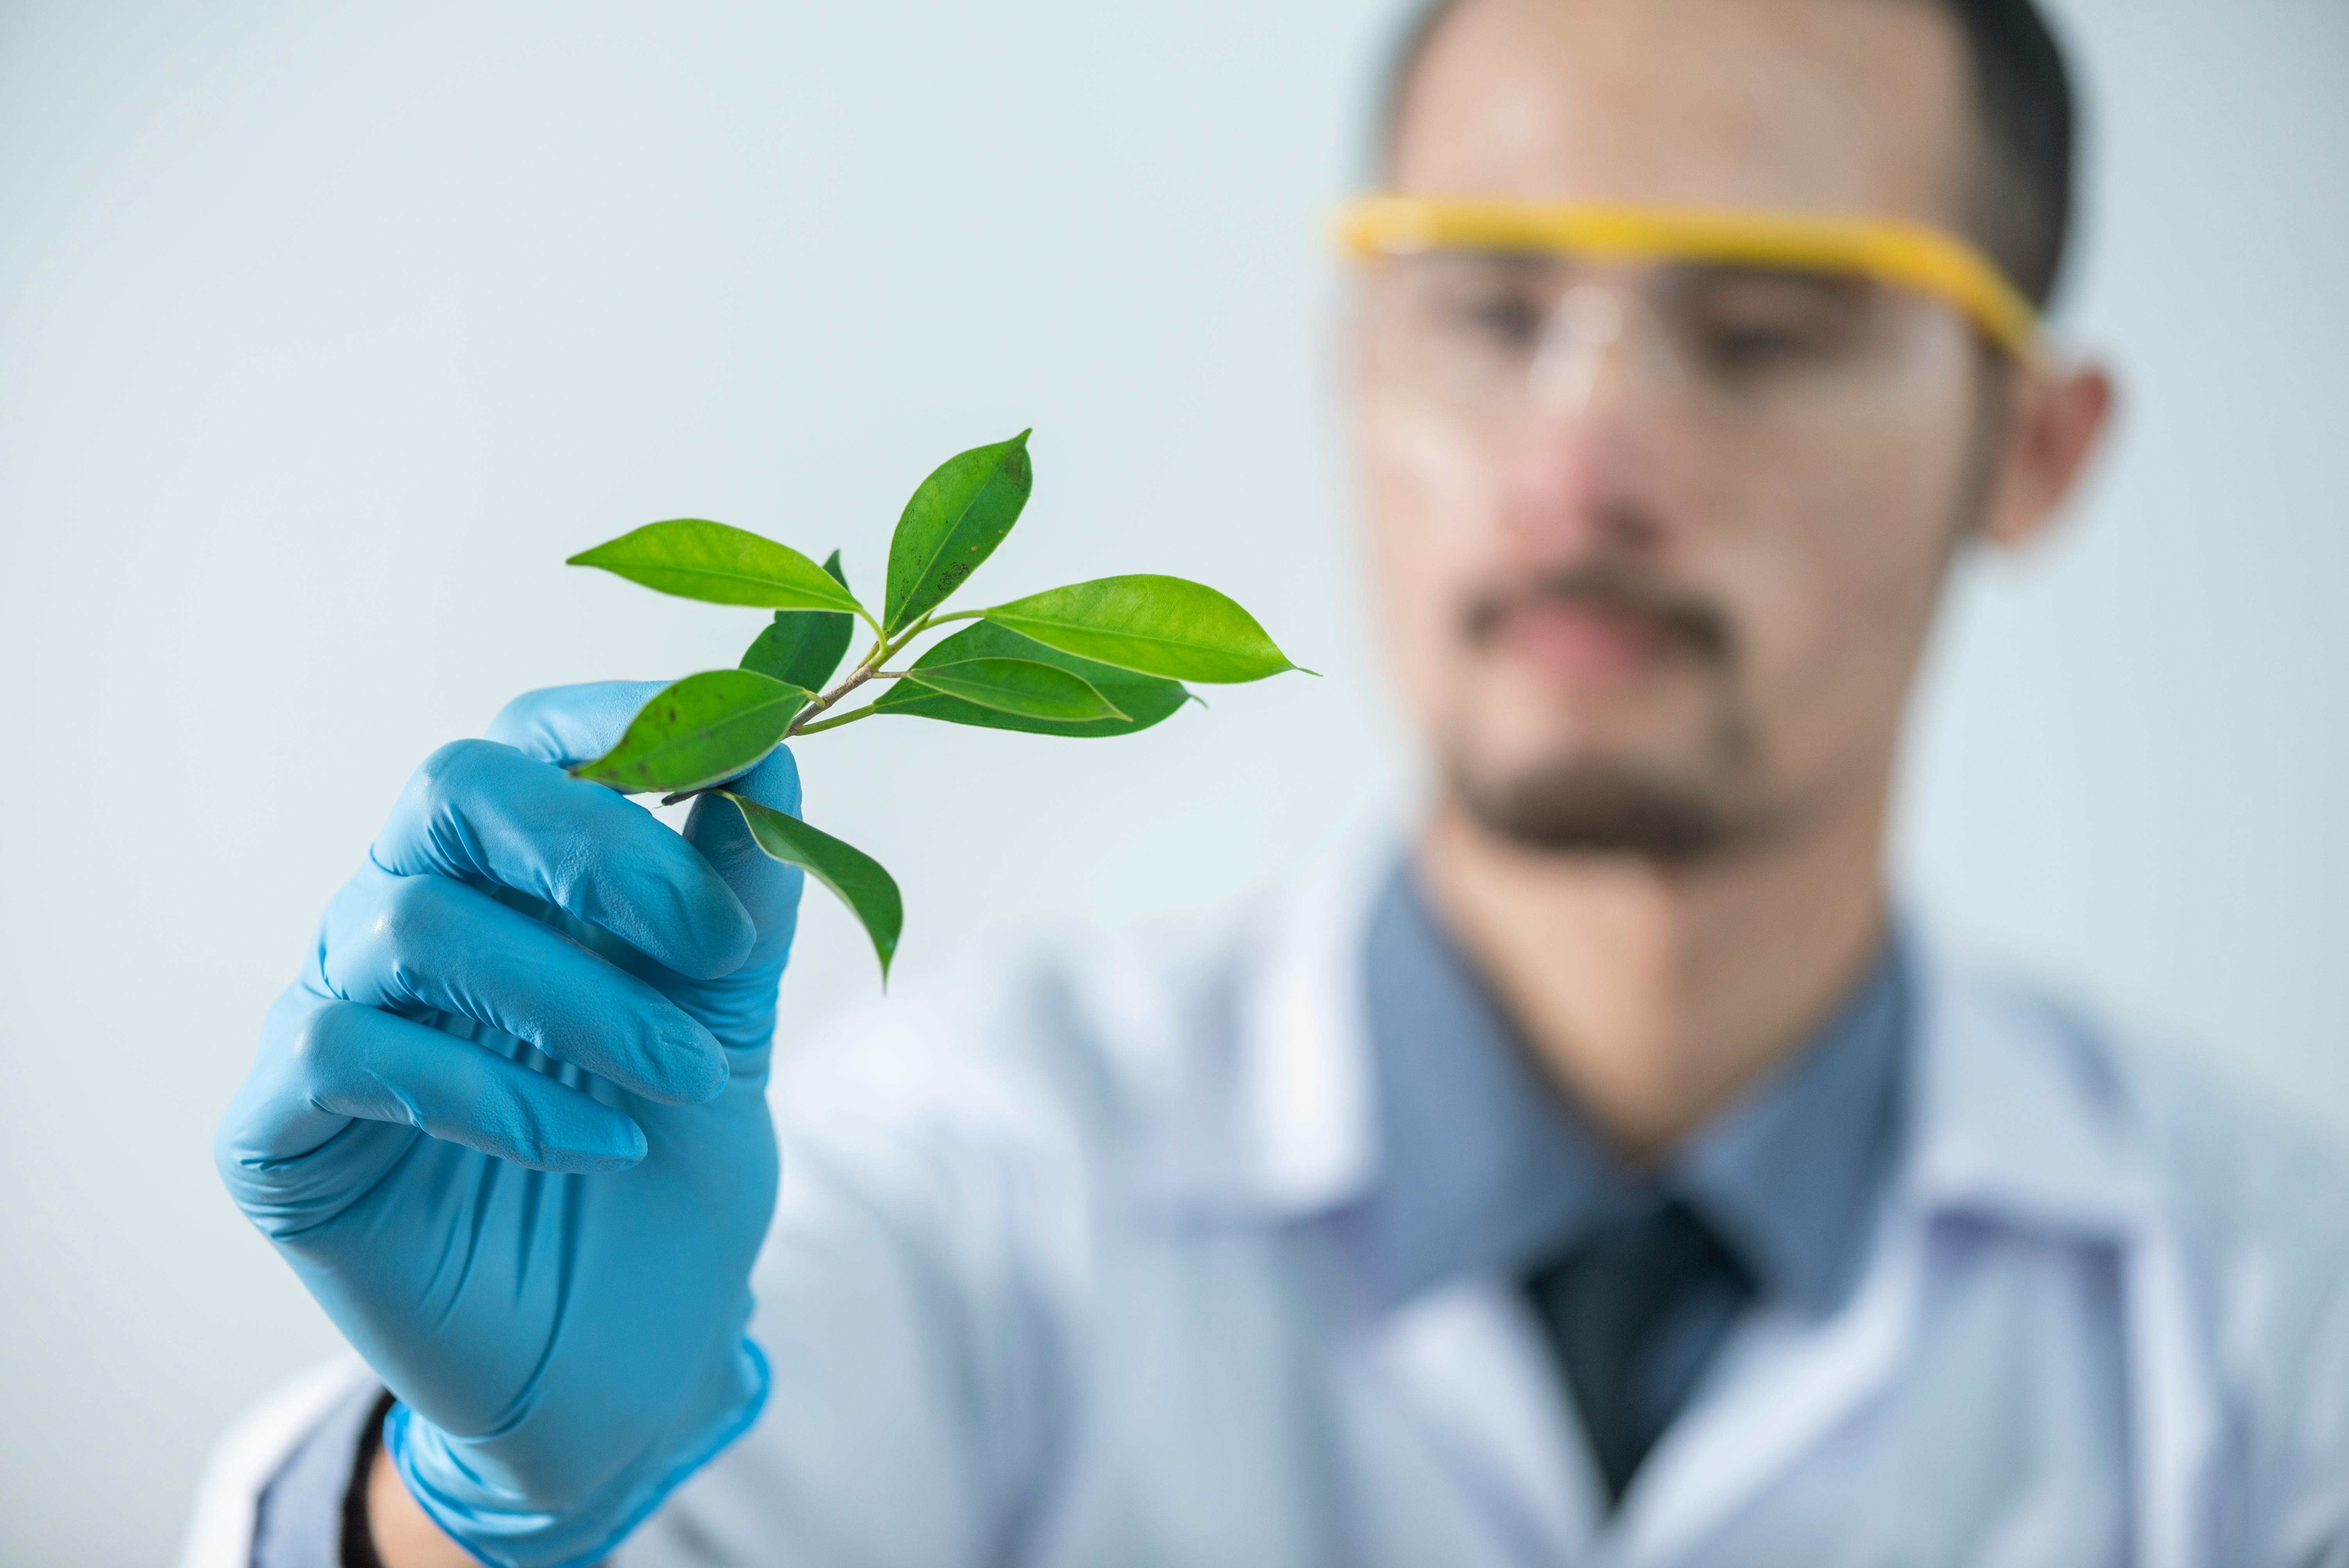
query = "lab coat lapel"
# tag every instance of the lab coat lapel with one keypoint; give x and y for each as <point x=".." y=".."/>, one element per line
<point x="2009" y="1121"/>
<point x="1303" y="1099"/>
<point x="1460" y="1361"/>
<point x="1308" y="1123"/>
<point x="2031" y="1124"/>
<point x="1467" y="1360"/>
<point x="1782" y="1387"/>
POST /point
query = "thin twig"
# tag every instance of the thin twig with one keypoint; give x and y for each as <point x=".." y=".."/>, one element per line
<point x="814" y="710"/>
<point x="810" y="720"/>
<point x="851" y="717"/>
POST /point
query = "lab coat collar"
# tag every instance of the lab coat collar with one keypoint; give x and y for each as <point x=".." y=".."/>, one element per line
<point x="2018" y="1112"/>
<point x="2013" y="1111"/>
<point x="2019" y="1117"/>
<point x="1307" y="1120"/>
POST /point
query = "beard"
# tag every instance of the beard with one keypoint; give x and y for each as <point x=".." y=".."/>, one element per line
<point x="1604" y="806"/>
<point x="1575" y="802"/>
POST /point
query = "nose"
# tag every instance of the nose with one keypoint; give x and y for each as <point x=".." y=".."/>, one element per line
<point x="1592" y="331"/>
<point x="1596" y="383"/>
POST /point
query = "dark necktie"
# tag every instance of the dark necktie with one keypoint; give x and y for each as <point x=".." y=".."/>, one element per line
<point x="1634" y="1313"/>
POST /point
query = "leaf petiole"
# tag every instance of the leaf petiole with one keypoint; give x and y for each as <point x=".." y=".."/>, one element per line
<point x="851" y="717"/>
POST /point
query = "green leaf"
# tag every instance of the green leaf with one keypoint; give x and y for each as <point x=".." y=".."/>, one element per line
<point x="1158" y="625"/>
<point x="804" y="648"/>
<point x="697" y="731"/>
<point x="1025" y="686"/>
<point x="953" y="522"/>
<point x="1145" y="699"/>
<point x="696" y="559"/>
<point x="869" y="891"/>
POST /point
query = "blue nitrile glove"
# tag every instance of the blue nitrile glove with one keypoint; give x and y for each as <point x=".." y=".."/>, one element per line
<point x="510" y="1129"/>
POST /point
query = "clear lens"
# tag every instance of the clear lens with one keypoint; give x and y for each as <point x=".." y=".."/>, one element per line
<point x="1496" y="337"/>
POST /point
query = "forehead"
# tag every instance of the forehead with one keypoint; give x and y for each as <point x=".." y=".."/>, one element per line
<point x="1809" y="105"/>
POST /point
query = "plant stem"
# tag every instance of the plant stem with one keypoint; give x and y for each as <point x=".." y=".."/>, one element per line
<point x="851" y="717"/>
<point x="810" y="718"/>
<point x="868" y="668"/>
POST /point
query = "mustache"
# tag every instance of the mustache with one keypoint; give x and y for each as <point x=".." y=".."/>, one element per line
<point x="1694" y="623"/>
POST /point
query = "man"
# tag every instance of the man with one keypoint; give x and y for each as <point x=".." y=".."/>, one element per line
<point x="1613" y="1178"/>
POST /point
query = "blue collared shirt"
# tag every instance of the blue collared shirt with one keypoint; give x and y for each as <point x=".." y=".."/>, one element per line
<point x="1487" y="1167"/>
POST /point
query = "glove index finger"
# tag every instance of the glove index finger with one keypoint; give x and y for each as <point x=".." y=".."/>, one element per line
<point x="768" y="889"/>
<point x="483" y="812"/>
<point x="567" y="724"/>
<point x="740" y="1008"/>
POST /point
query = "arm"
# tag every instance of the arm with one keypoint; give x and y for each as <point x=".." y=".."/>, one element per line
<point x="404" y="1537"/>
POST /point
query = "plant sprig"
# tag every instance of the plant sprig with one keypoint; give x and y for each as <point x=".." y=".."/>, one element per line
<point x="1091" y="659"/>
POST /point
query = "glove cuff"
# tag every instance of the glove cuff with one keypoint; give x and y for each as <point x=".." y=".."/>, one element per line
<point x="500" y="1527"/>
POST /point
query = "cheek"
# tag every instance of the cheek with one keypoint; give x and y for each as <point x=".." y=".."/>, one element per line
<point x="1433" y="508"/>
<point x="1838" y="562"/>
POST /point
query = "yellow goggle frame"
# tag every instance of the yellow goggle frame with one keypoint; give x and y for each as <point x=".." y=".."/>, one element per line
<point x="1911" y="255"/>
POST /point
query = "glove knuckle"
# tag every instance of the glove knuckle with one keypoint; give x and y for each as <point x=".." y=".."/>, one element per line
<point x="412" y="914"/>
<point x="523" y="715"/>
<point x="444" y="778"/>
<point x="407" y="927"/>
<point x="322" y="1042"/>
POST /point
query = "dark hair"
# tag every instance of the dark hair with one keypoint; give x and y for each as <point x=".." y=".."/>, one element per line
<point x="2024" y="107"/>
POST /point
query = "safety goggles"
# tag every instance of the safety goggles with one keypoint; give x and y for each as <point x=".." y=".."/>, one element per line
<point x="1494" y="301"/>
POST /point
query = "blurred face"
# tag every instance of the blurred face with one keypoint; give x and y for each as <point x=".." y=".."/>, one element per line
<point x="1659" y="547"/>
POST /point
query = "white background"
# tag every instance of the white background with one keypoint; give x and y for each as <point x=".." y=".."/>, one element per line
<point x="326" y="332"/>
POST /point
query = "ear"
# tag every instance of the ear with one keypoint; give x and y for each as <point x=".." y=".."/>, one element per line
<point x="2055" y="420"/>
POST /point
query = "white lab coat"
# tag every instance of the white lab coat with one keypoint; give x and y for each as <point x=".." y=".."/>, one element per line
<point x="1061" y="1275"/>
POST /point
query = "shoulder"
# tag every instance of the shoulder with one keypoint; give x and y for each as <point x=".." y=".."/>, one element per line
<point x="2254" y="1201"/>
<point x="2230" y="1167"/>
<point x="2238" y="1175"/>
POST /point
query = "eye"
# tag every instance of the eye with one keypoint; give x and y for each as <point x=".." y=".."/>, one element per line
<point x="1749" y="325"/>
<point x="1749" y="346"/>
<point x="1503" y="318"/>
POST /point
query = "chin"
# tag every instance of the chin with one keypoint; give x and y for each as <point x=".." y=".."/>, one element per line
<point x="1600" y="809"/>
<point x="1662" y="775"/>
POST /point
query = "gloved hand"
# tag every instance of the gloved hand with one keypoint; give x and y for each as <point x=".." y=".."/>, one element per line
<point x="510" y="1128"/>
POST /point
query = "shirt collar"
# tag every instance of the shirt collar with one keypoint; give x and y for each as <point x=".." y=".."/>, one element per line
<point x="1484" y="1165"/>
<point x="2010" y="1108"/>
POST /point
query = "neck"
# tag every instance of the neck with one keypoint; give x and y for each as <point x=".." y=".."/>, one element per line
<point x="1654" y="994"/>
